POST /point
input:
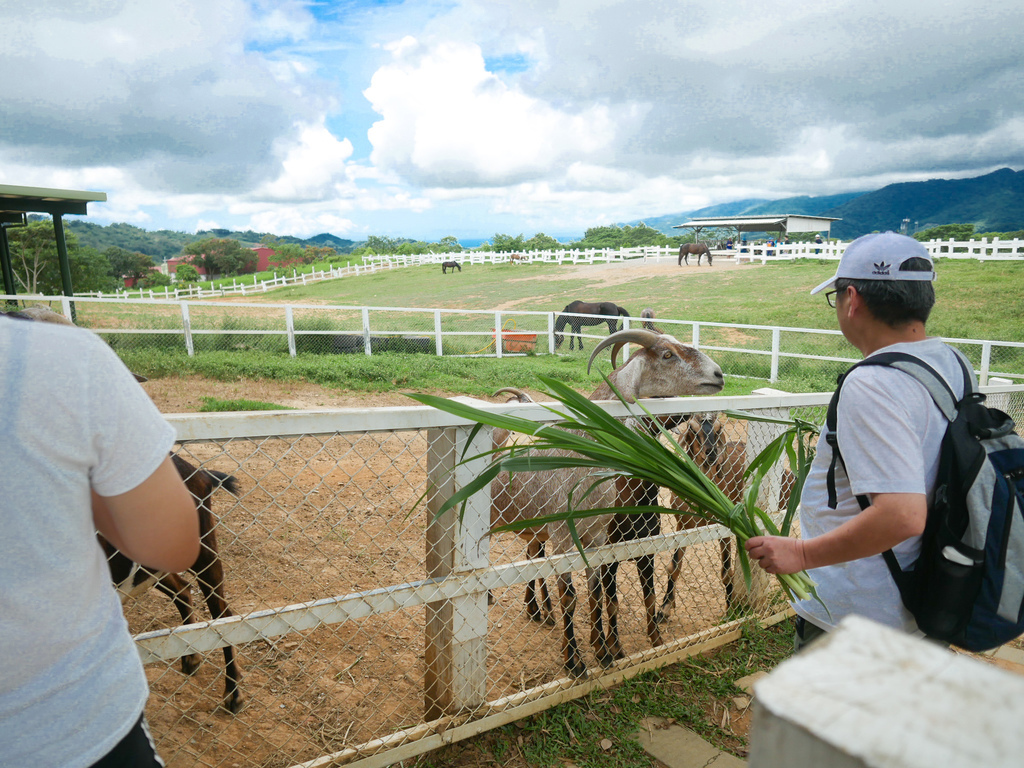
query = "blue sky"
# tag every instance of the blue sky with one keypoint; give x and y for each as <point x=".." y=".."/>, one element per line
<point x="470" y="117"/>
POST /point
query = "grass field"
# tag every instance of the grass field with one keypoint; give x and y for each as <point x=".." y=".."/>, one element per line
<point x="974" y="300"/>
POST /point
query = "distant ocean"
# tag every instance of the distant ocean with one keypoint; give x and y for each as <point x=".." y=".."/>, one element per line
<point x="471" y="242"/>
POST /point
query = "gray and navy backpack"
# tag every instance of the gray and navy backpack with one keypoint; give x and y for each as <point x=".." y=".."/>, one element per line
<point x="967" y="586"/>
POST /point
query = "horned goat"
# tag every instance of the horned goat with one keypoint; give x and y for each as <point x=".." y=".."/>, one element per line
<point x="663" y="367"/>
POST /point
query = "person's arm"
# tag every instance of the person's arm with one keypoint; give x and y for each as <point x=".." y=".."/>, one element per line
<point x="155" y="523"/>
<point x="891" y="518"/>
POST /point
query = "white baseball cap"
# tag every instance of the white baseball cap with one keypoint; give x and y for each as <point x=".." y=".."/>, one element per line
<point x="879" y="256"/>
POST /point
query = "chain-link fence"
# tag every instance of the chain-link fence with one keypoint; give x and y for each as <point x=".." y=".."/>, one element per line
<point x="365" y="630"/>
<point x="797" y="359"/>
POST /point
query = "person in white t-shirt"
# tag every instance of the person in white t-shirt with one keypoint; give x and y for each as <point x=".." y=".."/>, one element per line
<point x="82" y="449"/>
<point x="889" y="432"/>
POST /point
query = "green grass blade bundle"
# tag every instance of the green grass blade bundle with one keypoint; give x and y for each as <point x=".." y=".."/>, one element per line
<point x="587" y="436"/>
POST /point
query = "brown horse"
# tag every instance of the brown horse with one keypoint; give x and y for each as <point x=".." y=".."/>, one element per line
<point x="693" y="249"/>
<point x="608" y="311"/>
<point x="452" y="265"/>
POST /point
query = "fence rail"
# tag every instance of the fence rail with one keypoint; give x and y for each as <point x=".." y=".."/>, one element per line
<point x="769" y="353"/>
<point x="362" y="621"/>
<point x="981" y="250"/>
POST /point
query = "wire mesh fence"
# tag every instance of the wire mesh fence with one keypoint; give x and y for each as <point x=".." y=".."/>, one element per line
<point x="365" y="630"/>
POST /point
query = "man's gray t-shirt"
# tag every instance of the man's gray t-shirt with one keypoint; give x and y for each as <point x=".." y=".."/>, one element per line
<point x="889" y="432"/>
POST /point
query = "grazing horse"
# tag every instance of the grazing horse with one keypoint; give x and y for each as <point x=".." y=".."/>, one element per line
<point x="609" y="312"/>
<point x="452" y="265"/>
<point x="693" y="249"/>
<point x="516" y="258"/>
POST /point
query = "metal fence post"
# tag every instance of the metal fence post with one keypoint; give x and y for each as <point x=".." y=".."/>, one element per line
<point x="289" y="322"/>
<point x="366" y="331"/>
<point x="776" y="345"/>
<point x="499" y="340"/>
<point x="438" y="342"/>
<point x="986" y="362"/>
<point x="696" y="336"/>
<point x="551" y="332"/>
<point x="186" y="325"/>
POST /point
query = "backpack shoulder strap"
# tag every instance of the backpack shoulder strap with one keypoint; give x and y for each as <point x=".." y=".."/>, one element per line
<point x="936" y="385"/>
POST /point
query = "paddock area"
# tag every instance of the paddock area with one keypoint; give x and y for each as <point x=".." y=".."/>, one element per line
<point x="325" y="554"/>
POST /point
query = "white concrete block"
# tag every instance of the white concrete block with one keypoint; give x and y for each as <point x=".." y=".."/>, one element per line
<point x="872" y="697"/>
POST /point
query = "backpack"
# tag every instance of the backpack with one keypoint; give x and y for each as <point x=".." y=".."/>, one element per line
<point x="967" y="586"/>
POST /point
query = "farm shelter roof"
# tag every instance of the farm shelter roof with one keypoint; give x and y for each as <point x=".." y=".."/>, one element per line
<point x="15" y="205"/>
<point x="787" y="222"/>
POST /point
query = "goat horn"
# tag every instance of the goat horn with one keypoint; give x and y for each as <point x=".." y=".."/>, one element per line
<point x="639" y="336"/>
<point x="521" y="396"/>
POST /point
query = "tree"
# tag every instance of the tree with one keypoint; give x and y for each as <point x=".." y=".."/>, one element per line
<point x="187" y="273"/>
<point x="541" y="242"/>
<point x="946" y="232"/>
<point x="36" y="266"/>
<point x="221" y="256"/>
<point x="155" y="279"/>
<point x="125" y="264"/>
<point x="507" y="243"/>
<point x="449" y="244"/>
<point x="383" y="244"/>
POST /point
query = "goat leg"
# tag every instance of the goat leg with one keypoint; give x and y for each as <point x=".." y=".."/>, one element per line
<point x="209" y="571"/>
<point x="538" y="600"/>
<point x="595" y="577"/>
<point x="180" y="592"/>
<point x="645" y="570"/>
<point x="669" y="603"/>
<point x="611" y="599"/>
<point x="570" y="649"/>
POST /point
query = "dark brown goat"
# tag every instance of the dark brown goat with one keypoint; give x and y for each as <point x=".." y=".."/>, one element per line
<point x="208" y="568"/>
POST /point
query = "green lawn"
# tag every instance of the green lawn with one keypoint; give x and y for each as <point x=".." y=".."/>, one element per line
<point x="974" y="300"/>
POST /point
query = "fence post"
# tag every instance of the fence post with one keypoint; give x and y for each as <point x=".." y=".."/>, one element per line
<point x="438" y="342"/>
<point x="776" y="344"/>
<point x="66" y="309"/>
<point x="455" y="678"/>
<point x="186" y="325"/>
<point x="366" y="331"/>
<point x="986" y="362"/>
<point x="499" y="340"/>
<point x="289" y="322"/>
<point x="695" y="338"/>
<point x="551" y="332"/>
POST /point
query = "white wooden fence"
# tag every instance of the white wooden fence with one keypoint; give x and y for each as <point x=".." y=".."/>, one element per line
<point x="773" y="351"/>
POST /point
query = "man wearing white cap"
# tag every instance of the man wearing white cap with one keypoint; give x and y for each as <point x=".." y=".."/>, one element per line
<point x="889" y="432"/>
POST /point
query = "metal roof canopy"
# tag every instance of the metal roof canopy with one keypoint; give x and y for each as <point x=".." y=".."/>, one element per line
<point x="783" y="222"/>
<point x="15" y="205"/>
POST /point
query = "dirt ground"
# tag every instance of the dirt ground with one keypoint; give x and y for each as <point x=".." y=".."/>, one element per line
<point x="324" y="516"/>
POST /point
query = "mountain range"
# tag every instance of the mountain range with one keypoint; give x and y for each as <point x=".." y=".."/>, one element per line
<point x="992" y="203"/>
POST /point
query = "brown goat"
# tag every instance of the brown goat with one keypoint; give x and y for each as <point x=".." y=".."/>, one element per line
<point x="208" y="568"/>
<point x="663" y="367"/>
<point x="725" y="464"/>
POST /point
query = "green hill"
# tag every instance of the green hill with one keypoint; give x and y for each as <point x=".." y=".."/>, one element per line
<point x="164" y="244"/>
<point x="993" y="203"/>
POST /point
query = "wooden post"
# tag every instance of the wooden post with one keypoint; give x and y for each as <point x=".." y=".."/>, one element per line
<point x="455" y="679"/>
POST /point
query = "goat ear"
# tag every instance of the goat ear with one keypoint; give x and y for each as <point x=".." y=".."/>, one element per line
<point x="139" y="377"/>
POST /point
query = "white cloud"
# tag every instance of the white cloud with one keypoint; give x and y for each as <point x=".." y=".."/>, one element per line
<point x="447" y="121"/>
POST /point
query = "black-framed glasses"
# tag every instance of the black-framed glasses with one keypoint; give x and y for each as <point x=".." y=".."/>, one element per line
<point x="830" y="297"/>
